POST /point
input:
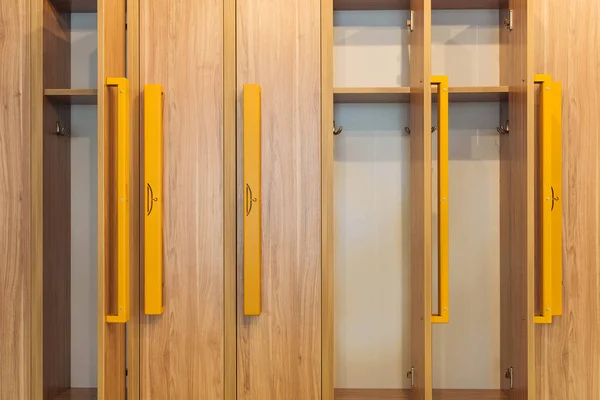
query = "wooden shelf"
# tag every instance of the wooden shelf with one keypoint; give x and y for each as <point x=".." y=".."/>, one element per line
<point x="404" y="394"/>
<point x="402" y="94"/>
<point x="405" y="4"/>
<point x="73" y="96"/>
<point x="79" y="394"/>
<point x="75" y="6"/>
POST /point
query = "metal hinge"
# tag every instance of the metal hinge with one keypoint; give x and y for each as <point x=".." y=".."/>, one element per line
<point x="508" y="22"/>
<point x="411" y="375"/>
<point x="409" y="22"/>
<point x="509" y="375"/>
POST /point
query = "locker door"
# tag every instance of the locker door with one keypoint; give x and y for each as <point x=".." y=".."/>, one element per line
<point x="517" y="203"/>
<point x="279" y="289"/>
<point x="114" y="195"/>
<point x="181" y="349"/>
<point x="420" y="200"/>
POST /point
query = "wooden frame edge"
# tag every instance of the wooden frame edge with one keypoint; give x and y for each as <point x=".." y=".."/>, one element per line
<point x="36" y="89"/>
<point x="133" y="74"/>
<point x="327" y="265"/>
<point x="229" y="201"/>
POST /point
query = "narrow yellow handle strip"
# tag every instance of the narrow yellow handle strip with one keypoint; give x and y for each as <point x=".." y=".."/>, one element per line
<point x="550" y="202"/>
<point x="443" y="315"/>
<point x="123" y="213"/>
<point x="154" y="200"/>
<point x="252" y="200"/>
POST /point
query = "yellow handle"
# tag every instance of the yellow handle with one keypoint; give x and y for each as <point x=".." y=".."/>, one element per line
<point x="252" y="200"/>
<point x="550" y="202"/>
<point x="443" y="315"/>
<point x="154" y="200"/>
<point x="123" y="157"/>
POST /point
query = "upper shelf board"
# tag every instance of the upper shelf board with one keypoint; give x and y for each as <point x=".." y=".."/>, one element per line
<point x="73" y="96"/>
<point x="402" y="94"/>
<point x="405" y="4"/>
<point x="75" y="6"/>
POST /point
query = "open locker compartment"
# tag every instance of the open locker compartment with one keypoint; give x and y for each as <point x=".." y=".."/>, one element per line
<point x="68" y="170"/>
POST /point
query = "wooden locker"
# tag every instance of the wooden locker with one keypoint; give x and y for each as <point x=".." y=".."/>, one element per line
<point x="279" y="351"/>
<point x="52" y="98"/>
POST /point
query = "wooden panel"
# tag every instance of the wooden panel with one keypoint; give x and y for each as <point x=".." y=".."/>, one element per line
<point x="56" y="209"/>
<point x="402" y="394"/>
<point x="420" y="200"/>
<point x="111" y="63"/>
<point x="517" y="208"/>
<point x="229" y="200"/>
<point x="181" y="352"/>
<point x="15" y="200"/>
<point x="405" y="4"/>
<point x="327" y="212"/>
<point x="136" y="200"/>
<point x="79" y="394"/>
<point x="567" y="351"/>
<point x="72" y="96"/>
<point x="402" y="94"/>
<point x="75" y="6"/>
<point x="279" y="48"/>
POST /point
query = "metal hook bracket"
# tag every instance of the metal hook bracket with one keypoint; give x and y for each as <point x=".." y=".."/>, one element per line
<point x="337" y="131"/>
<point x="503" y="129"/>
<point x="60" y="131"/>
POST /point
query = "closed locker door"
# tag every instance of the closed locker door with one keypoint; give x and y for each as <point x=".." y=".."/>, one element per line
<point x="279" y="286"/>
<point x="181" y="349"/>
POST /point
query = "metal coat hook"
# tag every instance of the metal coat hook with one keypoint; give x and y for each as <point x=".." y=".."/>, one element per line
<point x="60" y="131"/>
<point x="337" y="131"/>
<point x="503" y="129"/>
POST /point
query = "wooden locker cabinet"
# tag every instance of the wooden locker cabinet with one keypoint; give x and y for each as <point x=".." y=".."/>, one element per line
<point x="518" y="191"/>
<point x="51" y="102"/>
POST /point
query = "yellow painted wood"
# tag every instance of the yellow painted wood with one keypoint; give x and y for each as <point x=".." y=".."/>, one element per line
<point x="550" y="197"/>
<point x="443" y="315"/>
<point x="153" y="218"/>
<point x="252" y="200"/>
<point x="123" y="215"/>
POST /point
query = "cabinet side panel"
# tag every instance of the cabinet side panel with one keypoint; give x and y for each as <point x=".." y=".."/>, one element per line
<point x="420" y="200"/>
<point x="279" y="48"/>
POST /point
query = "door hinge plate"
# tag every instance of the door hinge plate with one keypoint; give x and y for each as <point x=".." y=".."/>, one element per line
<point x="508" y="22"/>
<point x="509" y="375"/>
<point x="410" y="22"/>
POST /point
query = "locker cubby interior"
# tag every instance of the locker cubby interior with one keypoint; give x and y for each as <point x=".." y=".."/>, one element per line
<point x="371" y="197"/>
<point x="70" y="182"/>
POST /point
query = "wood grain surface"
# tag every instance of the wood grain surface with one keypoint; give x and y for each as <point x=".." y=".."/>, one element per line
<point x="420" y="200"/>
<point x="181" y="48"/>
<point x="402" y="94"/>
<point x="56" y="208"/>
<point x="279" y="48"/>
<point x="517" y="207"/>
<point x="15" y="200"/>
<point x="568" y="350"/>
<point x="327" y="204"/>
<point x="111" y="63"/>
<point x="72" y="96"/>
<point x="78" y="394"/>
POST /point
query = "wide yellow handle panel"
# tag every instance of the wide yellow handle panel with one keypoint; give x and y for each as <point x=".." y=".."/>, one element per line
<point x="252" y="200"/>
<point x="550" y="170"/>
<point x="123" y="210"/>
<point x="154" y="200"/>
<point x="443" y="252"/>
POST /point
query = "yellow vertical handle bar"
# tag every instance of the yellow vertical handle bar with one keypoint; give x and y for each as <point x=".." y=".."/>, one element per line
<point x="443" y="315"/>
<point x="252" y="200"/>
<point x="154" y="199"/>
<point x="550" y="170"/>
<point x="123" y="213"/>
